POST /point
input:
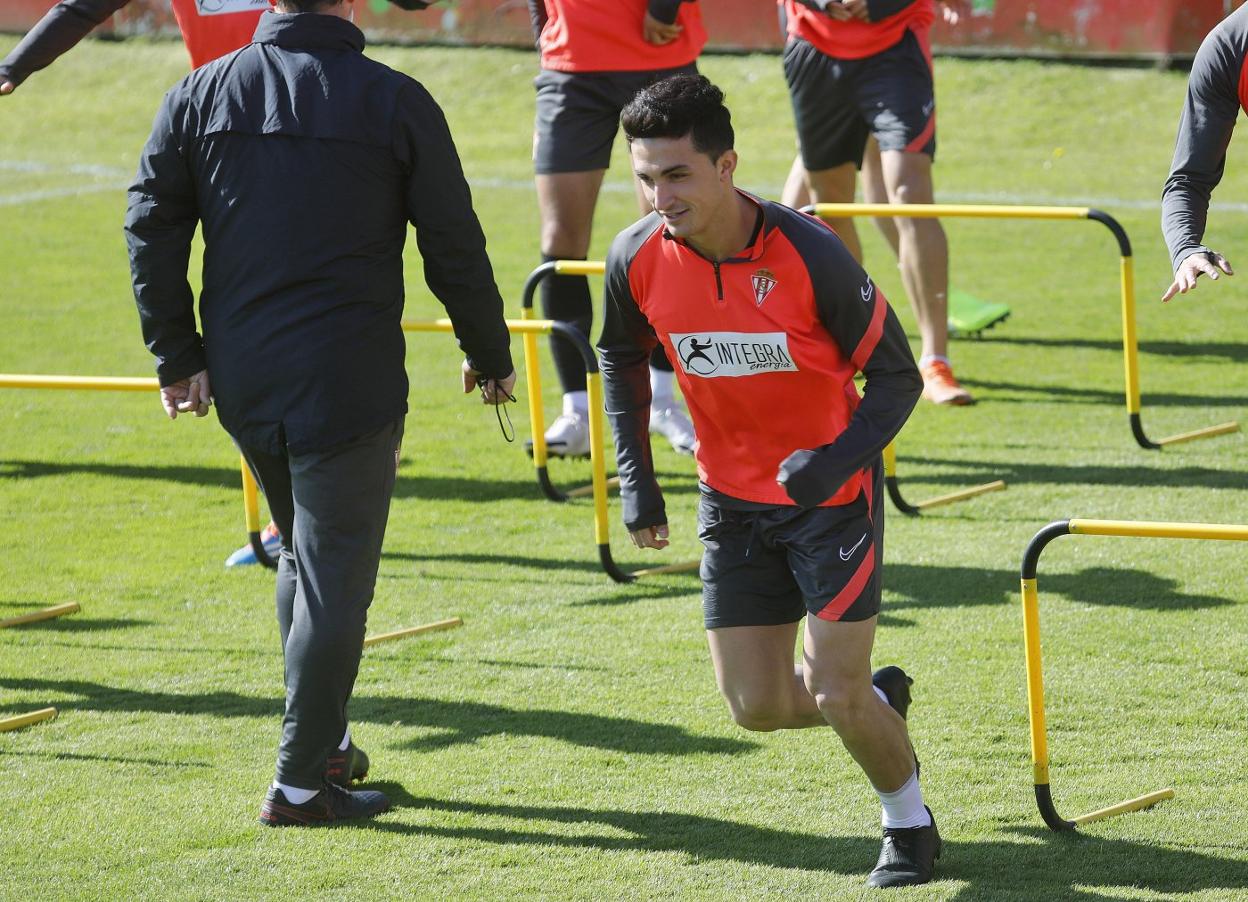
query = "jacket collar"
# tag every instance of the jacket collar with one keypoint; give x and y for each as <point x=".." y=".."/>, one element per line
<point x="308" y="31"/>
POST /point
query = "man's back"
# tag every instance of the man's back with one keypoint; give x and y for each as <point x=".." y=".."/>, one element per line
<point x="305" y="160"/>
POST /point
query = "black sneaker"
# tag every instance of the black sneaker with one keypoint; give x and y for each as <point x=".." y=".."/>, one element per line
<point x="330" y="805"/>
<point x="907" y="857"/>
<point x="894" y="683"/>
<point x="345" y="767"/>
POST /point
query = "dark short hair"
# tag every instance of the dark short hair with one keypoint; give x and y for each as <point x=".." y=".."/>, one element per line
<point x="304" y="6"/>
<point x="678" y="106"/>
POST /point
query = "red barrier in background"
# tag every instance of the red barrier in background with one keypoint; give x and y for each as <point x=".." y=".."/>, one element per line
<point x="1159" y="30"/>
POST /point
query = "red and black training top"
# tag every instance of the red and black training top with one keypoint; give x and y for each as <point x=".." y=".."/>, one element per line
<point x="853" y="38"/>
<point x="765" y="345"/>
<point x="1216" y="91"/>
<point x="606" y="35"/>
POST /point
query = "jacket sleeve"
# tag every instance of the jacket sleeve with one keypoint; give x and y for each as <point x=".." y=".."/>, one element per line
<point x="624" y="351"/>
<point x="862" y="323"/>
<point x="882" y="9"/>
<point x="61" y="27"/>
<point x="1205" y="126"/>
<point x="666" y="11"/>
<point x="537" y="20"/>
<point x="161" y="216"/>
<point x="448" y="234"/>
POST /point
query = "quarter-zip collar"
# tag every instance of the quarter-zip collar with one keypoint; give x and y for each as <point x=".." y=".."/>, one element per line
<point x="308" y="31"/>
<point x="749" y="253"/>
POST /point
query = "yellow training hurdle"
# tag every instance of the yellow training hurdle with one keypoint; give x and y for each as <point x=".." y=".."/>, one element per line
<point x="1126" y="281"/>
<point x="1031" y="645"/>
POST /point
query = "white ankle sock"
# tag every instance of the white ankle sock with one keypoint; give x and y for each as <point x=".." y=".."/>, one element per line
<point x="294" y="794"/>
<point x="927" y="359"/>
<point x="661" y="395"/>
<point x="904" y="808"/>
<point x="878" y="691"/>
<point x="346" y="740"/>
<point x="576" y="402"/>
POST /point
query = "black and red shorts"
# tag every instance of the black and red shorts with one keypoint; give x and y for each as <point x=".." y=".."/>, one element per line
<point x="578" y="115"/>
<point x="772" y="566"/>
<point x="838" y="103"/>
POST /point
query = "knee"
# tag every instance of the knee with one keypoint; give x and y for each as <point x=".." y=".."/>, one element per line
<point x="840" y="704"/>
<point x="754" y="712"/>
<point x="561" y="240"/>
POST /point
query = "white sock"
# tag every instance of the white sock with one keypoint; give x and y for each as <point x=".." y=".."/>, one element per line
<point x="294" y="794"/>
<point x="346" y="740"/>
<point x="576" y="402"/>
<point x="878" y="691"/>
<point x="661" y="395"/>
<point x="927" y="359"/>
<point x="904" y="808"/>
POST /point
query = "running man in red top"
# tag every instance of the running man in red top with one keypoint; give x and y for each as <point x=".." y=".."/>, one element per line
<point x="1216" y="91"/>
<point x="857" y="69"/>
<point x="595" y="55"/>
<point x="768" y="317"/>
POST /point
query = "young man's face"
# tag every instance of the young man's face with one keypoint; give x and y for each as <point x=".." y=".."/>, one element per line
<point x="683" y="185"/>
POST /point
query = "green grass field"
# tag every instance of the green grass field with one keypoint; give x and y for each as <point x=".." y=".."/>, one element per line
<point x="569" y="742"/>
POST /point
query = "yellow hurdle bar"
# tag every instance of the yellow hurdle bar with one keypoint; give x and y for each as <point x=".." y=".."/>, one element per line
<point x="580" y="267"/>
<point x="913" y="510"/>
<point x="79" y="383"/>
<point x="60" y="610"/>
<point x="25" y="720"/>
<point x="437" y="626"/>
<point x="683" y="567"/>
<point x="1031" y="646"/>
<point x="613" y="482"/>
<point x="997" y="485"/>
<point x="1126" y="283"/>
<point x="932" y="211"/>
<point x="251" y="499"/>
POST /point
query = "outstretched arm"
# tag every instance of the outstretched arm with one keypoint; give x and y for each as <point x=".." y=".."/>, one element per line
<point x="62" y="27"/>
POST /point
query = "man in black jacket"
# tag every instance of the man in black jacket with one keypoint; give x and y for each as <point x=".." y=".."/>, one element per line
<point x="304" y="161"/>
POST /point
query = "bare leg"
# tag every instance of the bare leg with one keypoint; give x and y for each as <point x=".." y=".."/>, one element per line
<point x="874" y="192"/>
<point x="922" y="248"/>
<point x="796" y="192"/>
<point x="838" y="675"/>
<point x="836" y="186"/>
<point x="755" y="672"/>
<point x="565" y="202"/>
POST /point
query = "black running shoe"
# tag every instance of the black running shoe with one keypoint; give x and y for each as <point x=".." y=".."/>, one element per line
<point x="907" y="857"/>
<point x="895" y="684"/>
<point x="345" y="767"/>
<point x="330" y="805"/>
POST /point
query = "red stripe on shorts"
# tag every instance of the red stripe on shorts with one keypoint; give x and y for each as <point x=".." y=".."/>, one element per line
<point x="916" y="146"/>
<point x="844" y="599"/>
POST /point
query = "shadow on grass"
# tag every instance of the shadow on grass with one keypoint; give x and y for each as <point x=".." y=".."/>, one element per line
<point x="1014" y="472"/>
<point x="219" y="477"/>
<point x="1230" y="351"/>
<point x="106" y="759"/>
<point x="1034" y="865"/>
<point x="925" y="587"/>
<point x="1011" y="392"/>
<point x="460" y="722"/>
<point x="495" y="558"/>
<point x="75" y="623"/>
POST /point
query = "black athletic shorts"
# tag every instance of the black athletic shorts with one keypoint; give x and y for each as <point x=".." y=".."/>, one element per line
<point x="578" y="114"/>
<point x="767" y="567"/>
<point x="837" y="103"/>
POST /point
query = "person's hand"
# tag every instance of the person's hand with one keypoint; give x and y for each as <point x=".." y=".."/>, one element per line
<point x="650" y="537"/>
<point x="659" y="33"/>
<point x="954" y="11"/>
<point x="193" y="395"/>
<point x="1190" y="269"/>
<point x="493" y="391"/>
<point x="7" y="87"/>
<point x="857" y="9"/>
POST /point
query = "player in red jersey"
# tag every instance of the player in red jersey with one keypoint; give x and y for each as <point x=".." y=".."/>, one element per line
<point x="858" y="70"/>
<point x="768" y="317"/>
<point x="595" y="55"/>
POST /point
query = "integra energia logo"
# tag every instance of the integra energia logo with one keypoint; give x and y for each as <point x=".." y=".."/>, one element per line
<point x="714" y="354"/>
<point x="225" y="7"/>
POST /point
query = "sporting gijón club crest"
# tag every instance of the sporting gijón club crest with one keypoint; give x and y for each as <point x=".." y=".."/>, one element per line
<point x="764" y="280"/>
